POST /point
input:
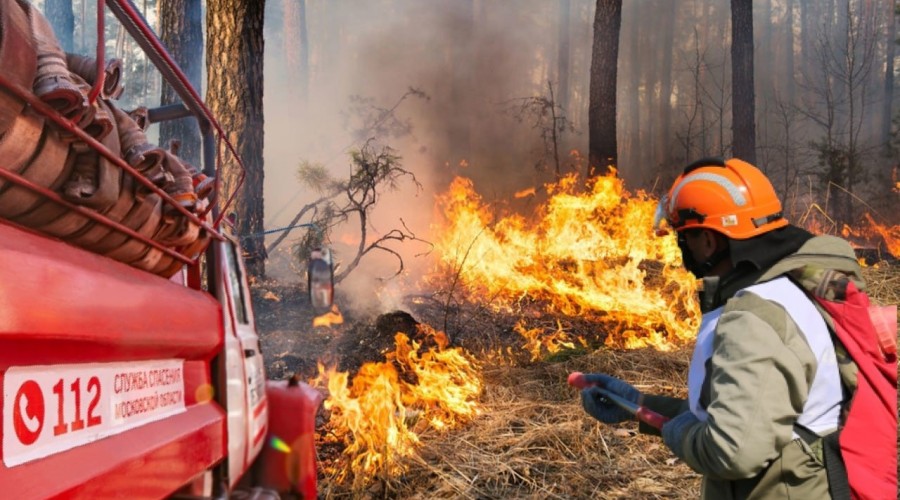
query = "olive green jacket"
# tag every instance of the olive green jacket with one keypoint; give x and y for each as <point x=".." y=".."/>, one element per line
<point x="756" y="385"/>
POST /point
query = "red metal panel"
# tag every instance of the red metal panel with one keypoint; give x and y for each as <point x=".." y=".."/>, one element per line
<point x="148" y="462"/>
<point x="292" y="419"/>
<point x="60" y="304"/>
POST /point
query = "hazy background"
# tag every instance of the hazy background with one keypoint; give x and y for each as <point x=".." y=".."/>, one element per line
<point x="474" y="63"/>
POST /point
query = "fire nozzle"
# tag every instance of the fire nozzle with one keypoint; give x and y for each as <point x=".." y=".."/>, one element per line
<point x="649" y="417"/>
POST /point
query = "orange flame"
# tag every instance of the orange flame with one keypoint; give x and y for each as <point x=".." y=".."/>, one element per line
<point x="890" y="235"/>
<point x="589" y="252"/>
<point x="388" y="404"/>
<point x="332" y="317"/>
<point x="525" y="192"/>
<point x="538" y="340"/>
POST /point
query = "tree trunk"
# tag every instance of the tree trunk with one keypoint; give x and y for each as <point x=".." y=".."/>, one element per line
<point x="808" y="56"/>
<point x="841" y="35"/>
<point x="234" y="66"/>
<point x="181" y="32"/>
<point x="62" y="18"/>
<point x="743" y="107"/>
<point x="889" y="74"/>
<point x="789" y="52"/>
<point x="602" y="106"/>
<point x="668" y="44"/>
<point x="562" y="62"/>
<point x="633" y="95"/>
<point x="766" y="44"/>
<point x="296" y="46"/>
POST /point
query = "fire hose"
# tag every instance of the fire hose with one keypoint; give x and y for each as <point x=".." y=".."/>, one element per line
<point x="649" y="417"/>
<point x="78" y="168"/>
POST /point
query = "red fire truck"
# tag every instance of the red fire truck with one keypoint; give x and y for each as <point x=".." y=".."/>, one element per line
<point x="129" y="360"/>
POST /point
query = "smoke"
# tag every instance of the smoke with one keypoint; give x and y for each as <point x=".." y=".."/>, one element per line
<point x="469" y="61"/>
<point x="475" y="58"/>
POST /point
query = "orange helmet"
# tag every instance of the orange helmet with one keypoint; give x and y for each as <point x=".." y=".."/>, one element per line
<point x="729" y="196"/>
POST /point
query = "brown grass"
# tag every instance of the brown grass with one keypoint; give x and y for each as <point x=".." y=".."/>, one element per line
<point x="883" y="283"/>
<point x="534" y="441"/>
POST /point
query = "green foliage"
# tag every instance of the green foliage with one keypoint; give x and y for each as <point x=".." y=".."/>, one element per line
<point x="371" y="168"/>
<point x="316" y="177"/>
<point x="315" y="237"/>
<point x="564" y="355"/>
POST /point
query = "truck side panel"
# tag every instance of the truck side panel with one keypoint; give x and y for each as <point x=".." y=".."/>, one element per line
<point x="142" y="463"/>
<point x="96" y="308"/>
<point x="131" y="352"/>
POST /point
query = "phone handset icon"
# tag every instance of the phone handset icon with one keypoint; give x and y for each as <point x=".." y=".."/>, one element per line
<point x="28" y="412"/>
<point x="31" y="422"/>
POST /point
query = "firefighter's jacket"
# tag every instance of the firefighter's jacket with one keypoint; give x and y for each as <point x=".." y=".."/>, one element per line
<point x="761" y="377"/>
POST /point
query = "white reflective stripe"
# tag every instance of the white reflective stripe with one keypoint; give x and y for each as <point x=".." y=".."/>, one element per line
<point x="822" y="408"/>
<point x="702" y="352"/>
<point x="736" y="195"/>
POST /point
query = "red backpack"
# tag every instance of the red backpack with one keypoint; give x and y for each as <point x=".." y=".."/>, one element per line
<point x="861" y="457"/>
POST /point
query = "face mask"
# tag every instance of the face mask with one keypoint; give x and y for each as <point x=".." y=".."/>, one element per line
<point x="698" y="269"/>
<point x="688" y="258"/>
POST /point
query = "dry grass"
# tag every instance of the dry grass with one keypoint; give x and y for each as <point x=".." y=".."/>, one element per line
<point x="884" y="283"/>
<point x="534" y="441"/>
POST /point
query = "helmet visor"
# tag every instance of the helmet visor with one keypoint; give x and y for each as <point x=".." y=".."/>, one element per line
<point x="660" y="222"/>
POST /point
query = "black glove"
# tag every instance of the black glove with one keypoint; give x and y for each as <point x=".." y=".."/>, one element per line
<point x="599" y="407"/>
<point x="674" y="430"/>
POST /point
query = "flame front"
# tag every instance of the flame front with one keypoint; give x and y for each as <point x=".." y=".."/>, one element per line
<point x="332" y="317"/>
<point x="589" y="253"/>
<point x="538" y="340"/>
<point x="890" y="235"/>
<point x="380" y="415"/>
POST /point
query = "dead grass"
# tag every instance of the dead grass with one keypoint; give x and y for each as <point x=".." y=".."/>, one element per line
<point x="883" y="283"/>
<point x="534" y="441"/>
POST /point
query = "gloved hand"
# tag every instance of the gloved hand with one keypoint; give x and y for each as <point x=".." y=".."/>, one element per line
<point x="674" y="430"/>
<point x="600" y="408"/>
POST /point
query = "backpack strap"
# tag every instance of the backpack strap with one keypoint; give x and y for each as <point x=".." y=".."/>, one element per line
<point x="832" y="284"/>
<point x="836" y="471"/>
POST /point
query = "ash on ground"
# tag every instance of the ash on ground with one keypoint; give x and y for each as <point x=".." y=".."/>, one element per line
<point x="284" y="319"/>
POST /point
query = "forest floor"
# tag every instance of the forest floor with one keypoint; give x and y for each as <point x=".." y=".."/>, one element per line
<point x="532" y="439"/>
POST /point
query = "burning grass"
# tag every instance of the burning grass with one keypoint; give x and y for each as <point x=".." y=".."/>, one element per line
<point x="381" y="415"/>
<point x="586" y="251"/>
<point x="535" y="441"/>
<point x="532" y="439"/>
<point x="565" y="291"/>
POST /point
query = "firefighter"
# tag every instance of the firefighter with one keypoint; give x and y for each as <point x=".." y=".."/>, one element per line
<point x="763" y="383"/>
